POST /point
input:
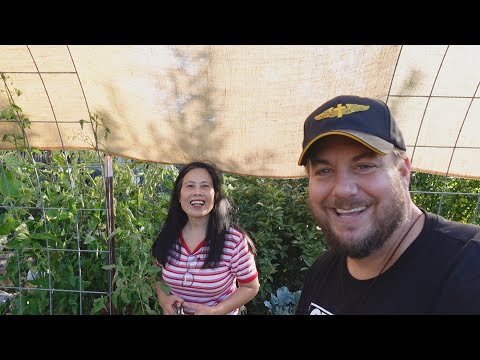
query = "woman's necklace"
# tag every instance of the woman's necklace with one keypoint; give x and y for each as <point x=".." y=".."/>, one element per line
<point x="362" y="299"/>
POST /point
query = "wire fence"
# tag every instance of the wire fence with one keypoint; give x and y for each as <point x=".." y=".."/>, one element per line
<point x="57" y="228"/>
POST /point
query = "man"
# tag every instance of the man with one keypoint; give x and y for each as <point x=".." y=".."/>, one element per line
<point x="386" y="255"/>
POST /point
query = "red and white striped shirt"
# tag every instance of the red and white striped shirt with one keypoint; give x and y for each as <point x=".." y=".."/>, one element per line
<point x="210" y="286"/>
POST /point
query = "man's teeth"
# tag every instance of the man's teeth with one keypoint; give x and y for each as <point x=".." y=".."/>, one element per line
<point x="343" y="211"/>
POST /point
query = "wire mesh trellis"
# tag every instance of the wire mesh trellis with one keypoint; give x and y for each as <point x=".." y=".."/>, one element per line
<point x="57" y="232"/>
<point x="57" y="224"/>
<point x="51" y="237"/>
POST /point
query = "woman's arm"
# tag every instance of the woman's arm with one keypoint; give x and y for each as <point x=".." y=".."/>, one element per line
<point x="168" y="302"/>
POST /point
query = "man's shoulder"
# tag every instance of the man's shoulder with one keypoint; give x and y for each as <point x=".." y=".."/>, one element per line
<point x="453" y="229"/>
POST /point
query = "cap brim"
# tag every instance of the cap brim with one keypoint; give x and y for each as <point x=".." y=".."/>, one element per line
<point x="372" y="142"/>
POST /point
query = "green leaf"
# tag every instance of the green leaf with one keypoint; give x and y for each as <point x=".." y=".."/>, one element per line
<point x="41" y="236"/>
<point x="88" y="239"/>
<point x="98" y="305"/>
<point x="8" y="226"/>
<point x="165" y="288"/>
<point x="124" y="296"/>
<point x="9" y="186"/>
<point x="22" y="232"/>
<point x="108" y="267"/>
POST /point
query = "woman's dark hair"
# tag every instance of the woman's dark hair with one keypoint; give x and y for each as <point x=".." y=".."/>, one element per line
<point x="218" y="223"/>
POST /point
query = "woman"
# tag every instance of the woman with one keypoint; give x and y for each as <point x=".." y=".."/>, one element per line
<point x="202" y="254"/>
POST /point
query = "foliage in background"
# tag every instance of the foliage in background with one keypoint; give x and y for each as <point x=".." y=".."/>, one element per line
<point x="12" y="113"/>
<point x="142" y="193"/>
<point x="284" y="302"/>
<point x="274" y="213"/>
<point x="77" y="220"/>
<point x="53" y="225"/>
<point x="454" y="198"/>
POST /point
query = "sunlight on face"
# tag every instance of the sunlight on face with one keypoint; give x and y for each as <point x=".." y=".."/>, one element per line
<point x="356" y="196"/>
<point x="197" y="193"/>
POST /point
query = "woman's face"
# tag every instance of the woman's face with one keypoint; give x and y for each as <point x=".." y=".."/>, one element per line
<point x="197" y="193"/>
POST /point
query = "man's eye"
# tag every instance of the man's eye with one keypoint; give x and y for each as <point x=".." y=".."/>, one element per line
<point x="323" y="172"/>
<point x="366" y="167"/>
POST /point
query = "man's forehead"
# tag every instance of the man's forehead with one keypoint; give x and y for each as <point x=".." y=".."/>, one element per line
<point x="336" y="142"/>
<point x="328" y="148"/>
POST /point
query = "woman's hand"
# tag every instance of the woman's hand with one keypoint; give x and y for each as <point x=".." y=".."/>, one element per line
<point x="200" y="309"/>
<point x="170" y="303"/>
<point x="167" y="302"/>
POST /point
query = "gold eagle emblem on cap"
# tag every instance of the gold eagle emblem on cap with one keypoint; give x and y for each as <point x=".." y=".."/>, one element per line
<point x="340" y="110"/>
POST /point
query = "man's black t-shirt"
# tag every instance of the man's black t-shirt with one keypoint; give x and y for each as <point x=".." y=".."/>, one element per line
<point x="439" y="273"/>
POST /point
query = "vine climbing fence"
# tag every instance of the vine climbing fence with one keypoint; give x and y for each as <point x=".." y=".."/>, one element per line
<point x="61" y="252"/>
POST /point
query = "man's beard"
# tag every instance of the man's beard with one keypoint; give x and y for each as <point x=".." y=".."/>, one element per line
<point x="382" y="227"/>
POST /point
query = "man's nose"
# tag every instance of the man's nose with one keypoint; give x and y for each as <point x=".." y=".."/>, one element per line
<point x="345" y="184"/>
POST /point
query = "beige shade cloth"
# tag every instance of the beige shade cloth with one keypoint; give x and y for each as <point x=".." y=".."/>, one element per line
<point x="242" y="107"/>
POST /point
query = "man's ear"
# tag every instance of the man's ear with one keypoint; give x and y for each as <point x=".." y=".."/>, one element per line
<point x="405" y="169"/>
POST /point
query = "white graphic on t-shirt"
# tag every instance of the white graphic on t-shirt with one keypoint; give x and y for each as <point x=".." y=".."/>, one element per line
<point x="318" y="310"/>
